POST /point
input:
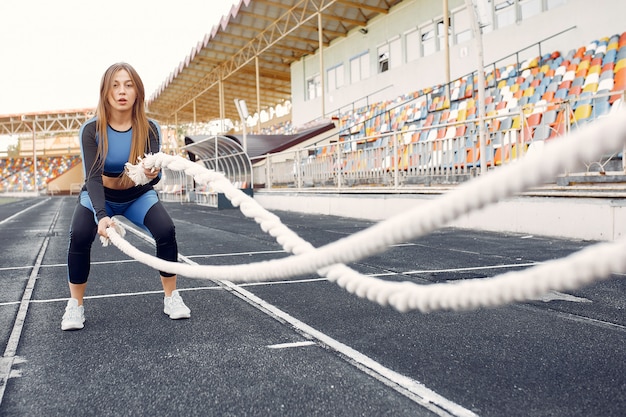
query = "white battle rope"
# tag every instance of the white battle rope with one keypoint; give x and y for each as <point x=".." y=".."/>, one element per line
<point x="591" y="264"/>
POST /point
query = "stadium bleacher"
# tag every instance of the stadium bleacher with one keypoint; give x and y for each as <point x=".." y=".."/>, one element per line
<point x="538" y="99"/>
<point x="16" y="174"/>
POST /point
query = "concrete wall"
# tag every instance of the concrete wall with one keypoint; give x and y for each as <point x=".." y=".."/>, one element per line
<point x="573" y="218"/>
<point x="63" y="183"/>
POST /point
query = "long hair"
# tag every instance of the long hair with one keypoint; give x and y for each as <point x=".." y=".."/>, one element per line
<point x="140" y="125"/>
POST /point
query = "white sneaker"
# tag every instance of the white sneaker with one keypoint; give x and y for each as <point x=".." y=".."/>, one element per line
<point x="175" y="307"/>
<point x="74" y="317"/>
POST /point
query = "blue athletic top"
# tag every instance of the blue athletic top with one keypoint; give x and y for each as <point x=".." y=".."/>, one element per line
<point x="117" y="156"/>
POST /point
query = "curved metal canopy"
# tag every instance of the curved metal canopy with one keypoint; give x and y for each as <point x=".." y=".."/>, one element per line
<point x="221" y="154"/>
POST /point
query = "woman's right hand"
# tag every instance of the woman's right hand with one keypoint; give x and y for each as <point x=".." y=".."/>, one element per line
<point x="103" y="225"/>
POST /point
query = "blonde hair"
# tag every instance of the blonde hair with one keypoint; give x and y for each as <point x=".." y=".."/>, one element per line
<point x="140" y="124"/>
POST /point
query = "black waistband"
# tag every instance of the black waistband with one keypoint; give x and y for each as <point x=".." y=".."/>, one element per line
<point x="124" y="196"/>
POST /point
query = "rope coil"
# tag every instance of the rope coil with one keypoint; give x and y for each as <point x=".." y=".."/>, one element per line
<point x="593" y="263"/>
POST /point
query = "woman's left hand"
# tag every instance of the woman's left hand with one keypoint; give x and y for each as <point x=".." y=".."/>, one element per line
<point x="151" y="173"/>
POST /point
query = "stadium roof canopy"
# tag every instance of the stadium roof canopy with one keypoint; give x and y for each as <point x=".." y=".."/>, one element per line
<point x="248" y="56"/>
<point x="44" y="122"/>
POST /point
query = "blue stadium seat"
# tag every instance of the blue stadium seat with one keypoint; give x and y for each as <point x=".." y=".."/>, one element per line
<point x="542" y="132"/>
<point x="561" y="94"/>
<point x="609" y="57"/>
<point x="600" y="108"/>
<point x="578" y="82"/>
<point x="549" y="117"/>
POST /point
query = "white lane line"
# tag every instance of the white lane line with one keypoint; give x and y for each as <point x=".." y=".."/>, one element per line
<point x="471" y="268"/>
<point x="224" y="255"/>
<point x="15" y="268"/>
<point x="559" y="296"/>
<point x="410" y="388"/>
<point x="291" y="281"/>
<point x="217" y="255"/>
<point x="8" y="357"/>
<point x="291" y="345"/>
<point x="116" y="295"/>
<point x="8" y="219"/>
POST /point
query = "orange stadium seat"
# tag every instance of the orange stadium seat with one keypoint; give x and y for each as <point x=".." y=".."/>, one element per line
<point x="619" y="82"/>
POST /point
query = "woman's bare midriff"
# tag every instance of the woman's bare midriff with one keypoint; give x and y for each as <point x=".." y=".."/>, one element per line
<point x="114" y="183"/>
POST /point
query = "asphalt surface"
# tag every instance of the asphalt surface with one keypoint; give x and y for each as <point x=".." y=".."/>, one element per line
<point x="301" y="347"/>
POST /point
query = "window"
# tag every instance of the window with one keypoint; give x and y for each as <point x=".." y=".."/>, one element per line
<point x="462" y="26"/>
<point x="551" y="4"/>
<point x="395" y="53"/>
<point x="383" y="58"/>
<point x="359" y="68"/>
<point x="313" y="87"/>
<point x="428" y="40"/>
<point x="412" y="45"/>
<point x="529" y="8"/>
<point x="433" y="37"/>
<point x="441" y="33"/>
<point x="505" y="12"/>
<point x="390" y="55"/>
<point x="335" y="77"/>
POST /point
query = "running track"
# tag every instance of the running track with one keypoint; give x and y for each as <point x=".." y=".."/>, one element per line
<point x="300" y="347"/>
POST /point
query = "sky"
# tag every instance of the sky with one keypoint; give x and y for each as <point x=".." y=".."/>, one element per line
<point x="54" y="52"/>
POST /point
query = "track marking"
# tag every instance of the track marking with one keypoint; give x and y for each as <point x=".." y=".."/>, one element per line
<point x="217" y="255"/>
<point x="471" y="268"/>
<point x="573" y="317"/>
<point x="8" y="358"/>
<point x="224" y="255"/>
<point x="291" y="345"/>
<point x="15" y="268"/>
<point x="410" y="388"/>
<point x="8" y="219"/>
<point x="559" y="296"/>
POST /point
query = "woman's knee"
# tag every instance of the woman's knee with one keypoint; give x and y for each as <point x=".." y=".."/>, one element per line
<point x="160" y="224"/>
<point x="166" y="233"/>
<point x="83" y="229"/>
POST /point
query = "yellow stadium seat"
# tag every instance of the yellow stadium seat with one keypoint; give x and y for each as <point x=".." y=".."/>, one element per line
<point x="590" y="88"/>
<point x="619" y="65"/>
<point x="582" y="112"/>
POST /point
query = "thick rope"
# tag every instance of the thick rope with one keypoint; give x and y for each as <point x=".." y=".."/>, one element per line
<point x="558" y="156"/>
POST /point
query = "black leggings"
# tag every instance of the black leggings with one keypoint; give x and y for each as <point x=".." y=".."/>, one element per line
<point x="84" y="230"/>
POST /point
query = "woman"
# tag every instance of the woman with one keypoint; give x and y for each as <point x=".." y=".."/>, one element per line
<point x="119" y="133"/>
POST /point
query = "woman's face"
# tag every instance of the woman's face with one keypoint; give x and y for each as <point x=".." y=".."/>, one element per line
<point x="122" y="92"/>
